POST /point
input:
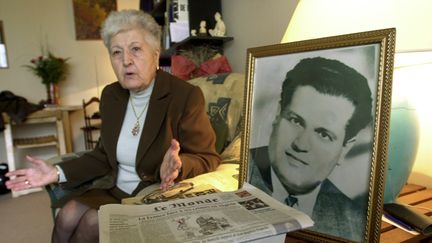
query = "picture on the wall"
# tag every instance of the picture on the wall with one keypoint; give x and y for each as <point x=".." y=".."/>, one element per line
<point x="89" y="16"/>
<point x="3" y="54"/>
<point x="316" y="130"/>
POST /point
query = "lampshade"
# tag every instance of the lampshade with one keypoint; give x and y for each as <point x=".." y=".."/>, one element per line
<point x="412" y="82"/>
<point x="315" y="19"/>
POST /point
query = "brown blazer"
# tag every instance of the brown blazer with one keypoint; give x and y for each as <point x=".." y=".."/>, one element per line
<point x="176" y="110"/>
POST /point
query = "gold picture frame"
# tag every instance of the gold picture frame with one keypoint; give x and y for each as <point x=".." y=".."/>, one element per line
<point x="318" y="123"/>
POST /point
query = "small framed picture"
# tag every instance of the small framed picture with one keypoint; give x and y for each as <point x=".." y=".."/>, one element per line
<point x="3" y="52"/>
<point x="89" y="16"/>
<point x="316" y="128"/>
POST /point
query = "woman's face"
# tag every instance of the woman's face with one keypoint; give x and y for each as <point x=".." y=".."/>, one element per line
<point x="134" y="60"/>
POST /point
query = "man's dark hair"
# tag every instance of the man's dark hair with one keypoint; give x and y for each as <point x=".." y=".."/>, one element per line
<point x="334" y="78"/>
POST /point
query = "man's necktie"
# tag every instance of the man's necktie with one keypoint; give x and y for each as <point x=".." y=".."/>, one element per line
<point x="291" y="200"/>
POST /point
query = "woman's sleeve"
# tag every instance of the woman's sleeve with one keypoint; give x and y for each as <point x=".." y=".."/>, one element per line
<point x="197" y="138"/>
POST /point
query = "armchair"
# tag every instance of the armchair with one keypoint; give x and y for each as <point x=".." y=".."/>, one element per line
<point x="223" y="94"/>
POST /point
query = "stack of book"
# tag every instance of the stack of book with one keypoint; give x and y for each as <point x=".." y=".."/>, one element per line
<point x="406" y="218"/>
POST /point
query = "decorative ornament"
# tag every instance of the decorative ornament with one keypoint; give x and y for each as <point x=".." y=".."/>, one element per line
<point x="219" y="29"/>
<point x="137" y="127"/>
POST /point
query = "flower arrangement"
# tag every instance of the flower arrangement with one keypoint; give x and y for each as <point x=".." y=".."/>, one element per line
<point x="50" y="69"/>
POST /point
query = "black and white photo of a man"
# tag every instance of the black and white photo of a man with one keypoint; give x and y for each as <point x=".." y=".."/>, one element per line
<point x="323" y="105"/>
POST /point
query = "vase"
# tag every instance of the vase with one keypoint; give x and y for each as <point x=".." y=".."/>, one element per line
<point x="53" y="97"/>
<point x="403" y="143"/>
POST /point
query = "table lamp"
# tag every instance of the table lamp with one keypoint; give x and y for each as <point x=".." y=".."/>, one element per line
<point x="316" y="19"/>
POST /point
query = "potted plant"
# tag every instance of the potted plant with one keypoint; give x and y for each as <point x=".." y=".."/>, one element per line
<point x="51" y="70"/>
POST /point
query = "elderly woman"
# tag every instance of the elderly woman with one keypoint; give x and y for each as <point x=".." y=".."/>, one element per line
<point x="154" y="129"/>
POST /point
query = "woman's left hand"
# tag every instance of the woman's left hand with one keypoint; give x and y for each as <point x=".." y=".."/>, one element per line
<point x="171" y="165"/>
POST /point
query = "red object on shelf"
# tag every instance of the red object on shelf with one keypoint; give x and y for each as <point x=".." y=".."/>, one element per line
<point x="185" y="69"/>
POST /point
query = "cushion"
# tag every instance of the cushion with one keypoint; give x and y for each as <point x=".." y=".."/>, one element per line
<point x="223" y="94"/>
<point x="231" y="153"/>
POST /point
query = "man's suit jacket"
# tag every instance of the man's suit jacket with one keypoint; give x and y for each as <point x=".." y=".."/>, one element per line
<point x="176" y="110"/>
<point x="334" y="213"/>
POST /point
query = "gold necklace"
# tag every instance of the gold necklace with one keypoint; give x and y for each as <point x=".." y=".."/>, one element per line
<point x="136" y="128"/>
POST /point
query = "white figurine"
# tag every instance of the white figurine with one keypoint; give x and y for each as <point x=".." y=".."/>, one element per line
<point x="203" y="30"/>
<point x="219" y="29"/>
<point x="193" y="32"/>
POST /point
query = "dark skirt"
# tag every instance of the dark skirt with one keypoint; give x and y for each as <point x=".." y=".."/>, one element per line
<point x="95" y="198"/>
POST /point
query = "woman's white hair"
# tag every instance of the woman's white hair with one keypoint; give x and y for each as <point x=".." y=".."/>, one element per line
<point x="124" y="20"/>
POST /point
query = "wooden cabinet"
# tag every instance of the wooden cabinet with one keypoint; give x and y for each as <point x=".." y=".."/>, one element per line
<point x="49" y="127"/>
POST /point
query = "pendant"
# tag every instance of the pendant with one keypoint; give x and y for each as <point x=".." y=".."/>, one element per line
<point x="136" y="128"/>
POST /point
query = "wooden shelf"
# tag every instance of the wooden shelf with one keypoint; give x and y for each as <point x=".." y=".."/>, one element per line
<point x="28" y="134"/>
<point x="35" y="142"/>
<point x="198" y="10"/>
<point x="199" y="40"/>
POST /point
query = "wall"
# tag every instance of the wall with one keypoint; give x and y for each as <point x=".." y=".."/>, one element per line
<point x="29" y="25"/>
<point x="254" y="23"/>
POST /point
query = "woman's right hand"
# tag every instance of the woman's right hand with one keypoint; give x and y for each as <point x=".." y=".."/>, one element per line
<point x="40" y="174"/>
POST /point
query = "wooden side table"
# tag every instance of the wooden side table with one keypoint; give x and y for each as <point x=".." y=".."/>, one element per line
<point x="414" y="195"/>
<point x="411" y="194"/>
<point x="65" y="118"/>
<point x="57" y="116"/>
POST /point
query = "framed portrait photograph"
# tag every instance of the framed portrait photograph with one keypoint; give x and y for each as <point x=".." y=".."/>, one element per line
<point x="316" y="129"/>
<point x="89" y="16"/>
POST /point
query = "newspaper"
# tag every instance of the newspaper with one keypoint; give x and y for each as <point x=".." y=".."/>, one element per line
<point x="225" y="178"/>
<point x="242" y="215"/>
<point x="153" y="193"/>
